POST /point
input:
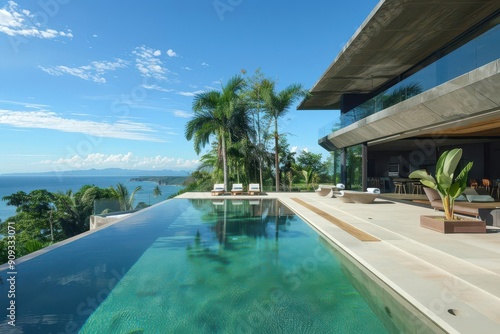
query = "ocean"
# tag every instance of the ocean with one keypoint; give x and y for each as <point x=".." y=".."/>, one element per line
<point x="12" y="184"/>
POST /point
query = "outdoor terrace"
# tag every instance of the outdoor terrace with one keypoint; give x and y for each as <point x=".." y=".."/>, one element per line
<point x="452" y="278"/>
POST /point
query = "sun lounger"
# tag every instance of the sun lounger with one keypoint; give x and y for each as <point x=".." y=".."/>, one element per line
<point x="348" y="196"/>
<point x="325" y="190"/>
<point x="237" y="189"/>
<point x="254" y="189"/>
<point x="218" y="189"/>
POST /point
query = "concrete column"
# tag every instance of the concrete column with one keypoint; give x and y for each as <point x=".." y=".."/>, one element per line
<point x="343" y="166"/>
<point x="364" y="166"/>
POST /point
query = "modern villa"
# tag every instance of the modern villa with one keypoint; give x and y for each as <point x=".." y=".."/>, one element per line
<point x="417" y="78"/>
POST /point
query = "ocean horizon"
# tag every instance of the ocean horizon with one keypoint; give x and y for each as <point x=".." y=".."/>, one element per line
<point x="12" y="184"/>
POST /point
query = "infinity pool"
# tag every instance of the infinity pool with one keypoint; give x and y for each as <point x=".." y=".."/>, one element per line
<point x="193" y="266"/>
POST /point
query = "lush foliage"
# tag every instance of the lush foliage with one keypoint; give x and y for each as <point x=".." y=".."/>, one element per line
<point x="239" y="126"/>
<point x="445" y="182"/>
<point x="43" y="217"/>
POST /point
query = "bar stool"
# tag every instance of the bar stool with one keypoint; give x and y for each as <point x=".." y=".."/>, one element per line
<point x="486" y="184"/>
<point x="495" y="190"/>
<point x="416" y="188"/>
<point x="399" y="188"/>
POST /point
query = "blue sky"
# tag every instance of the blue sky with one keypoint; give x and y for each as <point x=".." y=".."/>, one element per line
<point x="100" y="84"/>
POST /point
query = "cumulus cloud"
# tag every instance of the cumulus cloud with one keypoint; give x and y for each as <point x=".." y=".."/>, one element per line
<point x="148" y="63"/>
<point x="125" y="161"/>
<point x="205" y="64"/>
<point x="95" y="71"/>
<point x="15" y="21"/>
<point x="171" y="53"/>
<point x="49" y="120"/>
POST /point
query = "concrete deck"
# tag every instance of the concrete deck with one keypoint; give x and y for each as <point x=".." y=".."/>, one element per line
<point x="435" y="272"/>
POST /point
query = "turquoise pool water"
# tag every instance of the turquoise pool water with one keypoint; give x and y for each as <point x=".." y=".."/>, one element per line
<point x="194" y="266"/>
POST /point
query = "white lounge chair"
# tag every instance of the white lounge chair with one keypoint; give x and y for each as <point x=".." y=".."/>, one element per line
<point x="237" y="189"/>
<point x="218" y="189"/>
<point x="329" y="190"/>
<point x="348" y="196"/>
<point x="254" y="189"/>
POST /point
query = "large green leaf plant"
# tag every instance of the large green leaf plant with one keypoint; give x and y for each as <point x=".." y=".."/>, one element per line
<point x="448" y="186"/>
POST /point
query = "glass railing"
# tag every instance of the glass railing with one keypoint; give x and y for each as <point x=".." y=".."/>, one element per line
<point x="478" y="52"/>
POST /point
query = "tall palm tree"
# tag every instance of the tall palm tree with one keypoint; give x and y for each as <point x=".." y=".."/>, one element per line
<point x="125" y="199"/>
<point x="214" y="113"/>
<point x="255" y="103"/>
<point x="277" y="105"/>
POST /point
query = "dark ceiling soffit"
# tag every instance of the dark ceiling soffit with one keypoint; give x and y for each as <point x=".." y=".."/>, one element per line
<point x="325" y="100"/>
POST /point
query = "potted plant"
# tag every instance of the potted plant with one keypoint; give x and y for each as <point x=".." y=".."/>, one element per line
<point x="449" y="188"/>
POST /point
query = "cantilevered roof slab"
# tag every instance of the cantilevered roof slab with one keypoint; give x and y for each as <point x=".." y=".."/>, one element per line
<point x="442" y="108"/>
<point x="397" y="35"/>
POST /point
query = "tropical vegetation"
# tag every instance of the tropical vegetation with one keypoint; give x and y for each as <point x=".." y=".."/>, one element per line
<point x="44" y="217"/>
<point x="238" y="127"/>
<point x="445" y="182"/>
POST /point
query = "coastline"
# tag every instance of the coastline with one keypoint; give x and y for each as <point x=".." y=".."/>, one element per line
<point x="12" y="184"/>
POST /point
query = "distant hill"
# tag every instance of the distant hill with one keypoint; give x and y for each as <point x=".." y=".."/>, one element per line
<point x="109" y="172"/>
<point x="162" y="180"/>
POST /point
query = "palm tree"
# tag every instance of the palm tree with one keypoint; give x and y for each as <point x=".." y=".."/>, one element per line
<point x="277" y="104"/>
<point x="214" y="114"/>
<point x="125" y="199"/>
<point x="255" y="103"/>
<point x="157" y="191"/>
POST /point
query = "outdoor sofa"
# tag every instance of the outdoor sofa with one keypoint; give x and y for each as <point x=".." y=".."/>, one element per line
<point x="469" y="203"/>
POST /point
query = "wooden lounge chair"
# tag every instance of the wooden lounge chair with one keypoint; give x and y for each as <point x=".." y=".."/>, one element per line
<point x="254" y="189"/>
<point x="218" y="189"/>
<point x="237" y="189"/>
<point x="348" y="196"/>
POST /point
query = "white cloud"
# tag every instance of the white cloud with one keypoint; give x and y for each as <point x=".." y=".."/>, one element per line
<point x="52" y="121"/>
<point x="182" y="114"/>
<point x="190" y="93"/>
<point x="157" y="53"/>
<point x="25" y="104"/>
<point x="21" y="22"/>
<point x="205" y="64"/>
<point x="187" y="68"/>
<point x="94" y="71"/>
<point x="148" y="64"/>
<point x="125" y="161"/>
<point x="158" y="88"/>
<point x="171" y="53"/>
<point x="95" y="35"/>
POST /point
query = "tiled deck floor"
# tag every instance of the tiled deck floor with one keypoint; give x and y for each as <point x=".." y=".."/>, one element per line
<point x="435" y="272"/>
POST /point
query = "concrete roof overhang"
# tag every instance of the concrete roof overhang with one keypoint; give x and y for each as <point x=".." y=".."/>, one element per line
<point x="467" y="106"/>
<point x="394" y="38"/>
